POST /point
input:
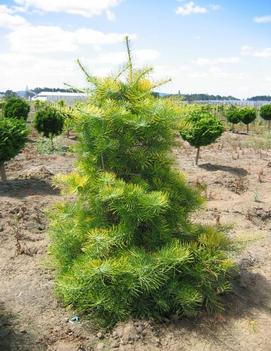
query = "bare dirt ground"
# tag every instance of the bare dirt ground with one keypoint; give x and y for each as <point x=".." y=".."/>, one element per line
<point x="236" y="177"/>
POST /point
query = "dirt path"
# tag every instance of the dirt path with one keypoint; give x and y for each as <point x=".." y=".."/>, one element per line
<point x="237" y="182"/>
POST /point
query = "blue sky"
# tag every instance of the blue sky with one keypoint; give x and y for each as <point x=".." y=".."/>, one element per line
<point x="217" y="47"/>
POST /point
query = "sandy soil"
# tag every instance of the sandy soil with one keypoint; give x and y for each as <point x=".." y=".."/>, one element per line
<point x="237" y="182"/>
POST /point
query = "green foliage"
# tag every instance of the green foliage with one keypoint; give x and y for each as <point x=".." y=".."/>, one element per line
<point x="202" y="128"/>
<point x="2" y="104"/>
<point x="49" y="121"/>
<point x="44" y="146"/>
<point x="17" y="108"/>
<point x="232" y="115"/>
<point x="247" y="114"/>
<point x="265" y="112"/>
<point x="124" y="246"/>
<point x="68" y="115"/>
<point x="13" y="136"/>
<point x="38" y="104"/>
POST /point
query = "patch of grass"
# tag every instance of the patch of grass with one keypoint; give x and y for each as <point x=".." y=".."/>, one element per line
<point x="259" y="142"/>
<point x="45" y="147"/>
<point x="245" y="239"/>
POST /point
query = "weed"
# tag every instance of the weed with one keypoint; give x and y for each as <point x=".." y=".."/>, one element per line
<point x="44" y="146"/>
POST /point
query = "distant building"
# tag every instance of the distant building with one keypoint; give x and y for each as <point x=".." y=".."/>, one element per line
<point x="69" y="98"/>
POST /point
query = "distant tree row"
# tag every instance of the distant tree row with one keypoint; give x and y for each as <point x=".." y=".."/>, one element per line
<point x="203" y="97"/>
<point x="260" y="98"/>
<point x="247" y="115"/>
<point x="184" y="97"/>
<point x="54" y="90"/>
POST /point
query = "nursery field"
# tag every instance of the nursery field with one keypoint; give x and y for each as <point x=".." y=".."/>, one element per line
<point x="234" y="174"/>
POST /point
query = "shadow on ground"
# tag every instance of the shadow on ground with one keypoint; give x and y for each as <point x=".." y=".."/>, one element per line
<point x="13" y="339"/>
<point x="241" y="172"/>
<point x="250" y="292"/>
<point x="21" y="188"/>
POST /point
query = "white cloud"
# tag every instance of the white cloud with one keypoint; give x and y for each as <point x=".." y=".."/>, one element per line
<point x="214" y="73"/>
<point x="139" y="56"/>
<point x="191" y="8"/>
<point x="197" y="75"/>
<point x="217" y="72"/>
<point x="45" y="55"/>
<point x="247" y="50"/>
<point x="8" y="19"/>
<point x="145" y="55"/>
<point x="40" y="55"/>
<point x="17" y="71"/>
<point x="52" y="39"/>
<point x="262" y="19"/>
<point x="89" y="36"/>
<point x="86" y="8"/>
<point x="265" y="53"/>
<point x="110" y="15"/>
<point x="41" y="39"/>
<point x="217" y="61"/>
<point x="215" y="7"/>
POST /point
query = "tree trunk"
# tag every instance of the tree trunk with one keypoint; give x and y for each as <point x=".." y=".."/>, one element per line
<point x="52" y="143"/>
<point x="3" y="172"/>
<point x="247" y="128"/>
<point x="197" y="155"/>
<point x="269" y="125"/>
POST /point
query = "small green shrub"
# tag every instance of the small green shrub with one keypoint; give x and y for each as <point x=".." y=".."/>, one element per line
<point x="16" y="108"/>
<point x="13" y="136"/>
<point x="2" y="104"/>
<point x="265" y="113"/>
<point x="49" y="122"/>
<point x="39" y="104"/>
<point x="247" y="115"/>
<point x="123" y="245"/>
<point x="201" y="129"/>
<point x="233" y="116"/>
<point x="68" y="115"/>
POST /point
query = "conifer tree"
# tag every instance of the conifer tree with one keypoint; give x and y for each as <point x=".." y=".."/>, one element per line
<point x="13" y="136"/>
<point x="49" y="121"/>
<point x="202" y="129"/>
<point x="17" y="108"/>
<point x="265" y="113"/>
<point x="124" y="244"/>
<point x="233" y="116"/>
<point x="247" y="115"/>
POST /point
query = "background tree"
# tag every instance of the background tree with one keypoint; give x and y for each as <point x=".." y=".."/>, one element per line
<point x="265" y="113"/>
<point x="68" y="115"/>
<point x="2" y="104"/>
<point x="13" y="136"/>
<point x="49" y="121"/>
<point x="123" y="245"/>
<point x="201" y="129"/>
<point x="38" y="104"/>
<point x="10" y="93"/>
<point x="16" y="108"/>
<point x="247" y="115"/>
<point x="232" y="116"/>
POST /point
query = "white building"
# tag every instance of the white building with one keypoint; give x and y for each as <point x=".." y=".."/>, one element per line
<point x="69" y="98"/>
